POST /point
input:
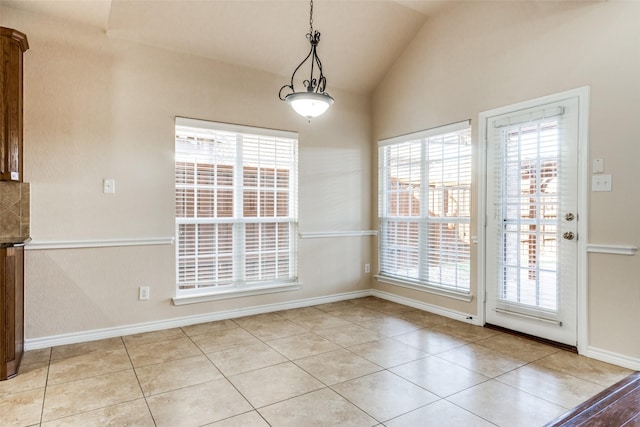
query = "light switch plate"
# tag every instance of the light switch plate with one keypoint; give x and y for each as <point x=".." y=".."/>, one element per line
<point x="598" y="166"/>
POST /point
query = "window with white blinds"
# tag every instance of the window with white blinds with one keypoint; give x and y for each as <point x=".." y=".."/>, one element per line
<point x="236" y="206"/>
<point x="424" y="202"/>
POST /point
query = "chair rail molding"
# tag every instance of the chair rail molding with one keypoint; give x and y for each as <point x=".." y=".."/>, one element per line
<point x="611" y="249"/>
<point x="97" y="243"/>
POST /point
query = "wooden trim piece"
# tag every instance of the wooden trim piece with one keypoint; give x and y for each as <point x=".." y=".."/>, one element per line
<point x="616" y="406"/>
<point x="16" y="35"/>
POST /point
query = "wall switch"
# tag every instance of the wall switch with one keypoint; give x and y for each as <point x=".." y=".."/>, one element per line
<point x="143" y="293"/>
<point x="601" y="183"/>
<point x="598" y="166"/>
<point x="108" y="186"/>
<point x="367" y="268"/>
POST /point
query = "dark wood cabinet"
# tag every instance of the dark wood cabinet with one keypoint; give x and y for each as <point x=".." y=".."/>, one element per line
<point x="11" y="309"/>
<point x="13" y="44"/>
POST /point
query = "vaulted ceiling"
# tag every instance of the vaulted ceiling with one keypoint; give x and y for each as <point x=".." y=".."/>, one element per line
<point x="360" y="39"/>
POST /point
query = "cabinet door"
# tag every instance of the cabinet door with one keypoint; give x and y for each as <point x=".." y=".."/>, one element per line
<point x="12" y="45"/>
<point x="18" y="302"/>
<point x="7" y="312"/>
<point x="11" y="310"/>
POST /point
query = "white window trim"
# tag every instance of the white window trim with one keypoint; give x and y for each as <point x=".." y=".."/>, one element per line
<point x="205" y="124"/>
<point x="457" y="294"/>
<point x="235" y="293"/>
<point x="436" y="290"/>
<point x="190" y="296"/>
<point x="453" y="127"/>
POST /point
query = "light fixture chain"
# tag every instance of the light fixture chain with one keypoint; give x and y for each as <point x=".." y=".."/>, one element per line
<point x="311" y="19"/>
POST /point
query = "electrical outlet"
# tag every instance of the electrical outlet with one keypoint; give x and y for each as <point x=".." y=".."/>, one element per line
<point x="601" y="183"/>
<point x="108" y="186"/>
<point x="143" y="293"/>
<point x="367" y="268"/>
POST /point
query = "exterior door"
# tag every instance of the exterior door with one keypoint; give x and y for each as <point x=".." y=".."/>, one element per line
<point x="532" y="219"/>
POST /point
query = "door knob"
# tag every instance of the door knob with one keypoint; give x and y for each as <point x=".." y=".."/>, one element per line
<point x="568" y="235"/>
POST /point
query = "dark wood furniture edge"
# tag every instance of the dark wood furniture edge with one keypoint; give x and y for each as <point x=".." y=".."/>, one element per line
<point x="16" y="35"/>
<point x="597" y="403"/>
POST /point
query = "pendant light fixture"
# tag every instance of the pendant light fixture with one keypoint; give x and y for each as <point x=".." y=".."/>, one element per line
<point x="313" y="101"/>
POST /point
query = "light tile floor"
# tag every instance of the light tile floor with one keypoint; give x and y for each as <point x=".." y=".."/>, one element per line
<point x="363" y="362"/>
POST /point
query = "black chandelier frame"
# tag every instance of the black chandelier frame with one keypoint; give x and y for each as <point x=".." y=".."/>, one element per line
<point x="312" y="84"/>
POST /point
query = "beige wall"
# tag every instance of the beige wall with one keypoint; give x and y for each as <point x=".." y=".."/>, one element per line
<point x="482" y="55"/>
<point x="99" y="108"/>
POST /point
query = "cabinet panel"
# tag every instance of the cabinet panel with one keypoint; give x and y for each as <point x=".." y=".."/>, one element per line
<point x="11" y="310"/>
<point x="12" y="45"/>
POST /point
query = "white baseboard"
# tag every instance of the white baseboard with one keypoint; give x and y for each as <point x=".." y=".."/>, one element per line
<point x="613" y="358"/>
<point x="452" y="314"/>
<point x="118" y="331"/>
<point x="97" y="334"/>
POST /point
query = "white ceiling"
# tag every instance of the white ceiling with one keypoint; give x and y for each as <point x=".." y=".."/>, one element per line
<point x="360" y="39"/>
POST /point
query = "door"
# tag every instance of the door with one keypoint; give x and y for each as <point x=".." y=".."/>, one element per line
<point x="532" y="218"/>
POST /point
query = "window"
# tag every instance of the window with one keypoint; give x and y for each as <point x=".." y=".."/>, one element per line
<point x="236" y="207"/>
<point x="424" y="202"/>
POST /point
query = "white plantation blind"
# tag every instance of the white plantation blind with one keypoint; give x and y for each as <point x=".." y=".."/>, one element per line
<point x="529" y="211"/>
<point x="236" y="206"/>
<point x="424" y="207"/>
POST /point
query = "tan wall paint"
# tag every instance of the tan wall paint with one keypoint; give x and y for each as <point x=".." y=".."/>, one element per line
<point x="99" y="108"/>
<point x="482" y="55"/>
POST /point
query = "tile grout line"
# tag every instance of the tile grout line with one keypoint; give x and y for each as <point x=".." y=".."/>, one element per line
<point x="144" y="396"/>
<point x="382" y="368"/>
<point x="495" y="378"/>
<point x="309" y="331"/>
<point x="89" y="377"/>
<point x="46" y="384"/>
<point x="254" y="409"/>
<point x="463" y="335"/>
<point x="293" y="361"/>
<point x="468" y="342"/>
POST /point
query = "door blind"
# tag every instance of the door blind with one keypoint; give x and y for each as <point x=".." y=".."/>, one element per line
<point x="529" y="212"/>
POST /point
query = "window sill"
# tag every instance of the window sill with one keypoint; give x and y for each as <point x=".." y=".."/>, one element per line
<point x="235" y="293"/>
<point x="459" y="295"/>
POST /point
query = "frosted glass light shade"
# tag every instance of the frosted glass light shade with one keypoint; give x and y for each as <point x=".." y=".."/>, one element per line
<point x="309" y="104"/>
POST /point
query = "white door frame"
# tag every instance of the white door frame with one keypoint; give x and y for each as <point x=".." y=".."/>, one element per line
<point x="582" y="94"/>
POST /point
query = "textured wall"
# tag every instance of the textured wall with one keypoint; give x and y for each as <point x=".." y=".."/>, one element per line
<point x="97" y="108"/>
<point x="477" y="56"/>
